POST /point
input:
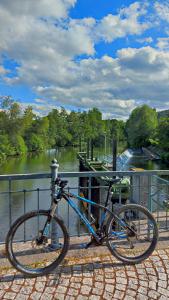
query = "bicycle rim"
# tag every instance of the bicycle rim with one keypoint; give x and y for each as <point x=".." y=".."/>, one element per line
<point x="27" y="252"/>
<point x="137" y="242"/>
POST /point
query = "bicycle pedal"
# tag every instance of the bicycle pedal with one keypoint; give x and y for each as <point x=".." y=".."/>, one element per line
<point x="88" y="245"/>
<point x="93" y="242"/>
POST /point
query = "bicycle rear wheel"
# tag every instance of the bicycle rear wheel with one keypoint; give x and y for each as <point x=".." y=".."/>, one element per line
<point x="29" y="251"/>
<point x="136" y="242"/>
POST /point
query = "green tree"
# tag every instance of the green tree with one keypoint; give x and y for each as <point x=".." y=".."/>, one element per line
<point x="118" y="129"/>
<point x="6" y="148"/>
<point x="18" y="144"/>
<point x="36" y="143"/>
<point x="27" y="119"/>
<point x="141" y="126"/>
<point x="163" y="133"/>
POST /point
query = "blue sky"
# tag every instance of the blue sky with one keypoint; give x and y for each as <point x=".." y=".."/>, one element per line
<point x="80" y="54"/>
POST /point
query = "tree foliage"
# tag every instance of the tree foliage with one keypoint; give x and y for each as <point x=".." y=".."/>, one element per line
<point x="163" y="133"/>
<point x="21" y="130"/>
<point x="141" y="126"/>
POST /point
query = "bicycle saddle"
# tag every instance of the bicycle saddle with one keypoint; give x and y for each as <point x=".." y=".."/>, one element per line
<point x="61" y="183"/>
<point x="114" y="181"/>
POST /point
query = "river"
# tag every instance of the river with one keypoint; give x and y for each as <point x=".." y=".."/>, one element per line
<point x="40" y="163"/>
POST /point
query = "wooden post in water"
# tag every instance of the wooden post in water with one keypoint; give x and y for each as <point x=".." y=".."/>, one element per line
<point x="114" y="150"/>
<point x="88" y="148"/>
<point x="91" y="150"/>
<point x="80" y="144"/>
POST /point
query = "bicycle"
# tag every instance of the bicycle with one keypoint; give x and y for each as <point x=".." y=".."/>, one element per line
<point x="131" y="233"/>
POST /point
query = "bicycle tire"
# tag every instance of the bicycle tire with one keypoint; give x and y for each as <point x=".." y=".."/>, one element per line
<point x="115" y="250"/>
<point x="10" y="244"/>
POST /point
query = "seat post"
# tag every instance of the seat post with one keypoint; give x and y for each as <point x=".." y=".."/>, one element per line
<point x="108" y="193"/>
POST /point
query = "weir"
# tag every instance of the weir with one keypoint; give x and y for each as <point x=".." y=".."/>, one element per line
<point x="151" y="192"/>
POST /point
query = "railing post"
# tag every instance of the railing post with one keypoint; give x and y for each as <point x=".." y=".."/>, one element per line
<point x="54" y="232"/>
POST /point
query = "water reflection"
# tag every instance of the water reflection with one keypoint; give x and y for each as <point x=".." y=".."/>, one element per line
<point x="34" y="163"/>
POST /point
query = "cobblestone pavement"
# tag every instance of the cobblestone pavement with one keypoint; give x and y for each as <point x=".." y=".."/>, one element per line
<point x="94" y="278"/>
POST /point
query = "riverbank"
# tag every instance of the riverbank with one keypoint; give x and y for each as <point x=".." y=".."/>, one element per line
<point x="155" y="153"/>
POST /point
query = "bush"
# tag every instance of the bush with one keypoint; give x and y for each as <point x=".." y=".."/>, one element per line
<point x="165" y="158"/>
<point x="6" y="147"/>
<point x="35" y="143"/>
<point x="18" y="144"/>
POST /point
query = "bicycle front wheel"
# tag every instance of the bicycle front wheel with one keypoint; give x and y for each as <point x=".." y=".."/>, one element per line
<point x="132" y="234"/>
<point x="31" y="252"/>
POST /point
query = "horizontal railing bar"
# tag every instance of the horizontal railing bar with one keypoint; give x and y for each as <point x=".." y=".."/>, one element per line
<point x="113" y="173"/>
<point x="25" y="176"/>
<point x="22" y="191"/>
<point x="120" y="186"/>
<point x="84" y="174"/>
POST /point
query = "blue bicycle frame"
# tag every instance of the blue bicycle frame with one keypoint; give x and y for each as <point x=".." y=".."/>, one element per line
<point x="120" y="234"/>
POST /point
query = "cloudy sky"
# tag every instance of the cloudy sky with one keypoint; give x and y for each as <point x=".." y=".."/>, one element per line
<point x="109" y="54"/>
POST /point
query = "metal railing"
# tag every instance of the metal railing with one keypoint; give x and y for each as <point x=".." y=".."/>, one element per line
<point x="20" y="193"/>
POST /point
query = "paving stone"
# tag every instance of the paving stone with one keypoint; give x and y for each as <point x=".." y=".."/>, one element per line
<point x="88" y="281"/>
<point x="39" y="286"/>
<point x="29" y="281"/>
<point x="163" y="298"/>
<point x="69" y="298"/>
<point x="59" y="296"/>
<point x="9" y="295"/>
<point x="108" y="296"/>
<point x="131" y="292"/>
<point x="118" y="295"/>
<point x="75" y="285"/>
<point x="141" y="297"/>
<point x="153" y="294"/>
<point x="162" y="283"/>
<point x="82" y="297"/>
<point x="72" y="292"/>
<point x="60" y="289"/>
<point x="26" y="290"/>
<point x="64" y="281"/>
<point x="99" y="285"/>
<point x="76" y="279"/>
<point x="94" y="297"/>
<point x="51" y="290"/>
<point x="35" y="296"/>
<point x="22" y="297"/>
<point x="152" y="285"/>
<point x="121" y="280"/>
<point x="85" y="290"/>
<point x="2" y="292"/>
<point x="142" y="290"/>
<point x="127" y="297"/>
<point x="46" y="296"/>
<point x="96" y="291"/>
<point x="15" y="288"/>
<point x="121" y="287"/>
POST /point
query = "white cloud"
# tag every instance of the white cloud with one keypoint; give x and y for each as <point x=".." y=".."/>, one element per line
<point x="140" y="74"/>
<point x="40" y="8"/>
<point x="147" y="40"/>
<point x="126" y="22"/>
<point x="163" y="43"/>
<point x="45" y="43"/>
<point x="2" y="70"/>
<point x="162" y="9"/>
